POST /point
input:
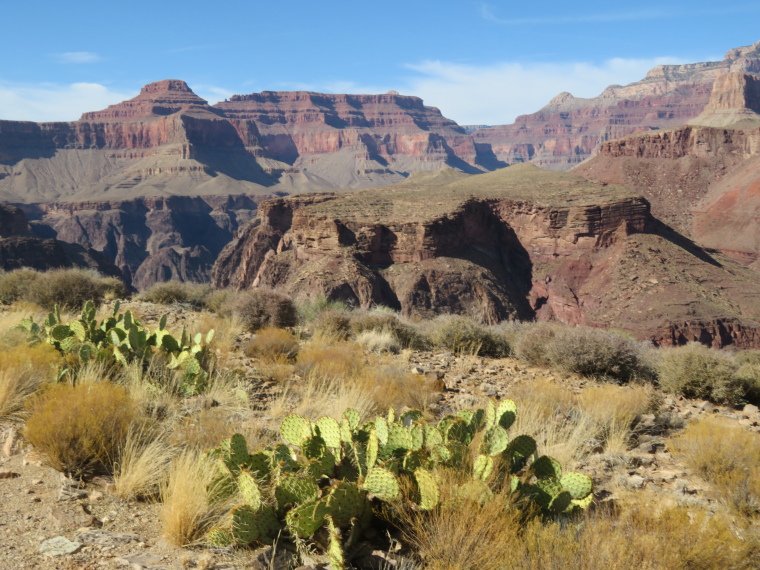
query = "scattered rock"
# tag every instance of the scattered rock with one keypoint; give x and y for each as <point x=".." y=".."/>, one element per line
<point x="59" y="546"/>
<point x="102" y="537"/>
<point x="144" y="560"/>
<point x="10" y="442"/>
<point x="65" y="518"/>
<point x="751" y="409"/>
<point x="6" y="474"/>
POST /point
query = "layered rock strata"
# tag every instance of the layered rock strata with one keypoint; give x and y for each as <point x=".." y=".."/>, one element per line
<point x="150" y="239"/>
<point x="519" y="243"/>
<point x="570" y="129"/>
<point x="703" y="178"/>
<point x="19" y="248"/>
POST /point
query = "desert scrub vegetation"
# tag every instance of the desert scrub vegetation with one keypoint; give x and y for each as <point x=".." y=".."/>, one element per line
<point x="695" y="371"/>
<point x="463" y="335"/>
<point x="80" y="429"/>
<point x="403" y="333"/>
<point x="68" y="288"/>
<point x="169" y="292"/>
<point x="271" y="344"/>
<point x="259" y="308"/>
<point x="727" y="456"/>
<point x="24" y="369"/>
<point x="383" y="464"/>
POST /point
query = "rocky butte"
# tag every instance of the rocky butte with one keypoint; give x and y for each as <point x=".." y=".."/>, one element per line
<point x="516" y="243"/>
<point x="703" y="178"/>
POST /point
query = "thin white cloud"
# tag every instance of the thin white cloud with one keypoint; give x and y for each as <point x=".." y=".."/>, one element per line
<point x="77" y="57"/>
<point x="496" y="94"/>
<point x="51" y="102"/>
<point x="212" y="93"/>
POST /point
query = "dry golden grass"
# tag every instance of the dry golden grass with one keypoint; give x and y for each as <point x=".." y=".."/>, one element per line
<point x="187" y="513"/>
<point x="204" y="429"/>
<point x="80" y="429"/>
<point x="23" y="371"/>
<point x="614" y="409"/>
<point x="379" y="341"/>
<point x="324" y="359"/>
<point x="462" y="534"/>
<point x="726" y="455"/>
<point x="226" y="331"/>
<point x="546" y="411"/>
<point x="143" y="465"/>
<point x="639" y="537"/>
<point x="272" y="345"/>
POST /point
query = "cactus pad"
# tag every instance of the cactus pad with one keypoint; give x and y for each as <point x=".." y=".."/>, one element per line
<point x="249" y="525"/>
<point x="304" y="520"/>
<point x="238" y="450"/>
<point x="495" y="441"/>
<point x="482" y="467"/>
<point x="353" y="418"/>
<point x="522" y="445"/>
<point x="506" y="412"/>
<point x="578" y="485"/>
<point x="335" y="549"/>
<point x="383" y="484"/>
<point x="345" y="502"/>
<point x="399" y="438"/>
<point x="220" y="537"/>
<point x="372" y="449"/>
<point x="295" y="429"/>
<point x="249" y="489"/>
<point x="427" y="489"/>
<point x="546" y="466"/>
<point x="408" y="418"/>
<point x="293" y="489"/>
<point x="381" y="429"/>
<point x="476" y="491"/>
<point x="329" y="431"/>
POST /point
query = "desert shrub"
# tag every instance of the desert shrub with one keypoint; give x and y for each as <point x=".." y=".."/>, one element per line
<point x="463" y="335"/>
<point x="221" y="301"/>
<point x="114" y="288"/>
<point x="170" y="292"/>
<point x="726" y="455"/>
<point x="14" y="285"/>
<point x="259" y="308"/>
<point x="23" y="371"/>
<point x="749" y="376"/>
<point x="70" y="289"/>
<point x="187" y="509"/>
<point x="330" y="360"/>
<point x="532" y="342"/>
<point x="406" y="335"/>
<point x="79" y="429"/>
<point x="379" y="341"/>
<point x="596" y="354"/>
<point x="695" y="371"/>
<point x="310" y="309"/>
<point x="272" y="345"/>
<point x="332" y="325"/>
<point x="615" y="410"/>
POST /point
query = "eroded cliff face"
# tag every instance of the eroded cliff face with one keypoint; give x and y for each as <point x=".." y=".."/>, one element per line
<point x="702" y="178"/>
<point x="150" y="239"/>
<point x="169" y="141"/>
<point x="573" y="252"/>
<point x="19" y="248"/>
<point x="570" y="129"/>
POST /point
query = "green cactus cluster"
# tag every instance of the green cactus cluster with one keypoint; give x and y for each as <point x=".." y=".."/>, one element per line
<point x="329" y="476"/>
<point x="122" y="337"/>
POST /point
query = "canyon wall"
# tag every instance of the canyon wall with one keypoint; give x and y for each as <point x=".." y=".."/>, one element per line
<point x="572" y="251"/>
<point x="571" y="129"/>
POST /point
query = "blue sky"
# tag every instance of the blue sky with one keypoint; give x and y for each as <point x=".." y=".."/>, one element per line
<point x="479" y="62"/>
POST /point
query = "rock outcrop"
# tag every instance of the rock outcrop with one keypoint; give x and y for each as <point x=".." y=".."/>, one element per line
<point x="570" y="129"/>
<point x="149" y="239"/>
<point x="169" y="141"/>
<point x="518" y="243"/>
<point x="703" y="178"/>
<point x="19" y="248"/>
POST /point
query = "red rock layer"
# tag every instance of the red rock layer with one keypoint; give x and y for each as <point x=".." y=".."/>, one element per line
<point x="569" y="129"/>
